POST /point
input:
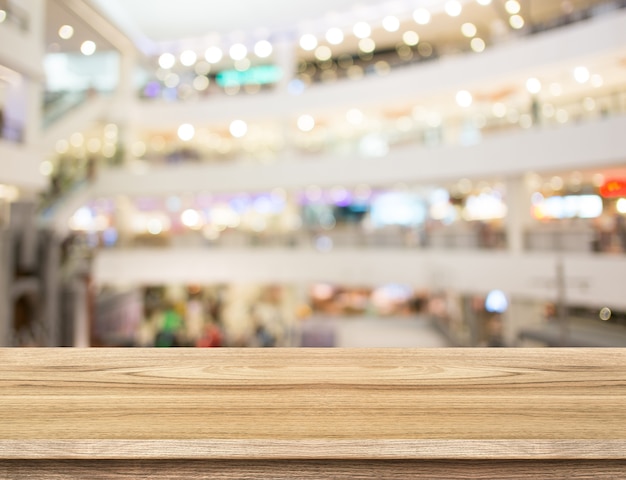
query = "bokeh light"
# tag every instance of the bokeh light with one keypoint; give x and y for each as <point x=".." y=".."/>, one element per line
<point x="238" y="128"/>
<point x="212" y="54"/>
<point x="66" y="32"/>
<point x="421" y="16"/>
<point x="186" y="132"/>
<point x="88" y="48"/>
<point x="453" y="8"/>
<point x="167" y="60"/>
<point x="334" y="36"/>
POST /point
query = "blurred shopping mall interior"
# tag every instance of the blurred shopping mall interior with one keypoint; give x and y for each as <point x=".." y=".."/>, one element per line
<point x="411" y="173"/>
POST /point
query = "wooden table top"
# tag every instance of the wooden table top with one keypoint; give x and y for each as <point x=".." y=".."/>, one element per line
<point x="313" y="403"/>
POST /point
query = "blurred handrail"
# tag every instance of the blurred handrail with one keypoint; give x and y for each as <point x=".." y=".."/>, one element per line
<point x="62" y="104"/>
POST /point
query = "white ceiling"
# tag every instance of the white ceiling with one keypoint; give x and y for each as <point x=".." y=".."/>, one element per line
<point x="173" y="25"/>
<point x="167" y="20"/>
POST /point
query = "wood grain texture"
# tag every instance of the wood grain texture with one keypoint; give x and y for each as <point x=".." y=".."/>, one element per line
<point x="313" y="403"/>
<point x="309" y="470"/>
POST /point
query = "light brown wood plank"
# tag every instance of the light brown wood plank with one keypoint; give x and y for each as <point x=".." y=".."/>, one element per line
<point x="226" y="449"/>
<point x="313" y="403"/>
<point x="290" y="470"/>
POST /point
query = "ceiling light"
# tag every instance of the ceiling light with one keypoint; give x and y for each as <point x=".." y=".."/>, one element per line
<point x="596" y="80"/>
<point x="66" y="32"/>
<point x="76" y="139"/>
<point x="213" y="54"/>
<point x="238" y="128"/>
<point x="88" y="47"/>
<point x="191" y="218"/>
<point x="306" y="123"/>
<point x="463" y="98"/>
<point x="110" y="131"/>
<point x="556" y="183"/>
<point x="581" y="74"/>
<point x="468" y="29"/>
<point x="46" y="168"/>
<point x="108" y="150"/>
<point x="597" y="179"/>
<point x="484" y="2"/>
<point x="188" y="58"/>
<point x="453" y="8"/>
<point x="154" y="226"/>
<point x="94" y="145"/>
<point x="167" y="60"/>
<point x="434" y="119"/>
<point x="499" y="110"/>
<point x="263" y="49"/>
<point x="410" y="38"/>
<point x="138" y="149"/>
<point x="355" y="116"/>
<point x="334" y="36"/>
<point x="512" y="7"/>
<point x="186" y="132"/>
<point x="516" y="21"/>
<point x="421" y="16"/>
<point x="367" y="45"/>
<point x="238" y="51"/>
<point x="3" y="15"/>
<point x="62" y="146"/>
<point x="391" y="23"/>
<point x="323" y="53"/>
<point x="201" y="82"/>
<point x="308" y="42"/>
<point x="362" y="30"/>
<point x="171" y="80"/>
<point x="556" y="89"/>
<point x="477" y="44"/>
<point x="533" y="85"/>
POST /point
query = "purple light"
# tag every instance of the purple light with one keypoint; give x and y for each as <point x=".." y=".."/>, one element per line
<point x="152" y="89"/>
<point x="344" y="199"/>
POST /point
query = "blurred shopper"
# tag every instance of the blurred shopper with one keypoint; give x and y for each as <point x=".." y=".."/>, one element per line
<point x="212" y="337"/>
<point x="620" y="230"/>
<point x="495" y="332"/>
<point x="149" y="329"/>
<point x="605" y="228"/>
<point x="169" y="334"/>
<point x="91" y="169"/>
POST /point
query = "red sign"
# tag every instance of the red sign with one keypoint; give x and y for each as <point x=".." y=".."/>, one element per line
<point x="613" y="188"/>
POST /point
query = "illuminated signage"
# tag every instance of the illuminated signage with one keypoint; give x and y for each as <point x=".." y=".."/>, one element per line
<point x="570" y="206"/>
<point x="261" y="75"/>
<point x="613" y="188"/>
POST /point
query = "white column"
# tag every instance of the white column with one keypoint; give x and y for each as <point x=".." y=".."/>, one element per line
<point x="285" y="59"/>
<point x="518" y="216"/>
<point x="33" y="86"/>
<point x="33" y="92"/>
<point x="124" y="101"/>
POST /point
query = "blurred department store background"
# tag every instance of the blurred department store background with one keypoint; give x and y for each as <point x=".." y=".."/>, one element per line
<point x="328" y="173"/>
